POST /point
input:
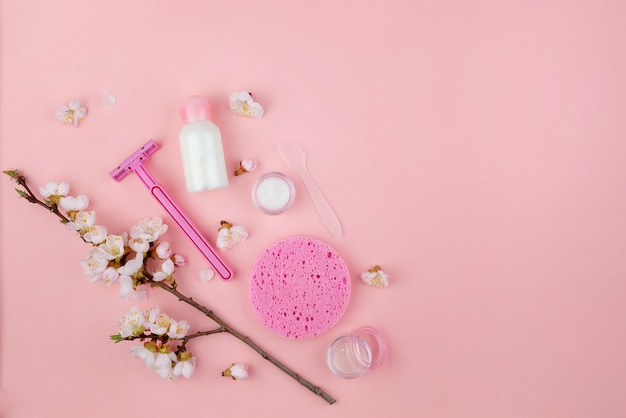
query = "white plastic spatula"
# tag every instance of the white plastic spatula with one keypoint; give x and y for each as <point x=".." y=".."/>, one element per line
<point x="295" y="159"/>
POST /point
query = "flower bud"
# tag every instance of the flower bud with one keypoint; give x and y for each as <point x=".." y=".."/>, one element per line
<point x="163" y="250"/>
<point x="237" y="371"/>
<point x="245" y="166"/>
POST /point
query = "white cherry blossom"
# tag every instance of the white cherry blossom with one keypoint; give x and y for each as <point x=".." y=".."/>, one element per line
<point x="83" y="220"/>
<point x="375" y="277"/>
<point x="74" y="204"/>
<point x="237" y="371"/>
<point x="150" y="316"/>
<point x="131" y="323"/>
<point x="71" y="114"/>
<point x="126" y="286"/>
<point x="161" y="324"/>
<point x="230" y="235"/>
<point x="144" y="354"/>
<point x="179" y="260"/>
<point x="113" y="246"/>
<point x="167" y="268"/>
<point x="95" y="234"/>
<point x="132" y="266"/>
<point x="149" y="228"/>
<point x="95" y="264"/>
<point x="184" y="368"/>
<point x="52" y="188"/>
<point x="110" y="276"/>
<point x="164" y="250"/>
<point x="242" y="104"/>
<point x="246" y="165"/>
<point x="163" y="365"/>
<point x="139" y="244"/>
<point x="178" y="329"/>
<point x="126" y="281"/>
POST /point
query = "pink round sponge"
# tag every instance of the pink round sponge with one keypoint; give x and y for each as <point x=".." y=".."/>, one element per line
<point x="299" y="287"/>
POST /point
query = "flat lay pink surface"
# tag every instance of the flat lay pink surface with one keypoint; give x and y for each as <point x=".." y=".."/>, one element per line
<point x="476" y="151"/>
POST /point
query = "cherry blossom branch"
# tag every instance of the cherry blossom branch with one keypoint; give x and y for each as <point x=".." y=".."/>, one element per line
<point x="201" y="334"/>
<point x="246" y="340"/>
<point x="185" y="339"/>
<point x="30" y="196"/>
<point x="146" y="278"/>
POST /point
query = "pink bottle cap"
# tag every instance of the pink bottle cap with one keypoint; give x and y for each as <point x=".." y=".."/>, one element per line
<point x="196" y="108"/>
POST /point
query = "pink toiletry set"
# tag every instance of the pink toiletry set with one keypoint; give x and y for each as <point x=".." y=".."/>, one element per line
<point x="299" y="286"/>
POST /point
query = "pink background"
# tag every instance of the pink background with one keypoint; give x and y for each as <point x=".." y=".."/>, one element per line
<point x="475" y="150"/>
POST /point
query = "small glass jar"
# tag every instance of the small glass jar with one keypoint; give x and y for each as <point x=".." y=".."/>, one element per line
<point x="350" y="355"/>
<point x="273" y="193"/>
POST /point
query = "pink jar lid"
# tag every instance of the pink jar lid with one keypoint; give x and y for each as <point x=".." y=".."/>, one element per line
<point x="196" y="108"/>
<point x="299" y="287"/>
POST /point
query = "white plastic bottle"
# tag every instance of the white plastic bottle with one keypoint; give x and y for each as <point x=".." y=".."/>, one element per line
<point x="201" y="147"/>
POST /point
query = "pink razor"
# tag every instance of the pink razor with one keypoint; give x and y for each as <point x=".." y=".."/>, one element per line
<point x="134" y="163"/>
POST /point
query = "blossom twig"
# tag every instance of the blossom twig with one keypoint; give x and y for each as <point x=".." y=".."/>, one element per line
<point x="30" y="196"/>
<point x="117" y="338"/>
<point x="134" y="270"/>
<point x="227" y="328"/>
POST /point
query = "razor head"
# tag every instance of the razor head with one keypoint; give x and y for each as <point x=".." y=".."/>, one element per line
<point x="138" y="157"/>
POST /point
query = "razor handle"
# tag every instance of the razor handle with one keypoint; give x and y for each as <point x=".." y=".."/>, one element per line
<point x="192" y="232"/>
